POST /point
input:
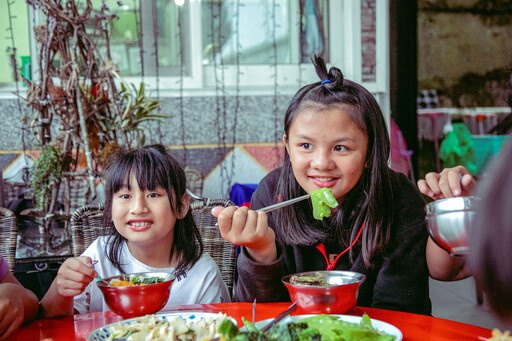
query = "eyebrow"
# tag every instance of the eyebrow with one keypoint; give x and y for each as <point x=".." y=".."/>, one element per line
<point x="340" y="140"/>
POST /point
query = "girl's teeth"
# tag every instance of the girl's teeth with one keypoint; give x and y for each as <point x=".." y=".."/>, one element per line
<point x="324" y="179"/>
<point x="140" y="224"/>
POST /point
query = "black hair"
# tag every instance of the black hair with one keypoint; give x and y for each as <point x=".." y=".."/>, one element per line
<point x="370" y="201"/>
<point x="152" y="167"/>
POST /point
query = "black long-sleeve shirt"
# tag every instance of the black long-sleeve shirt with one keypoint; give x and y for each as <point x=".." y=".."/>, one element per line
<point x="398" y="282"/>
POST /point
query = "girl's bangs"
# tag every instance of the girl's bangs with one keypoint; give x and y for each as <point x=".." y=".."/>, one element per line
<point x="147" y="173"/>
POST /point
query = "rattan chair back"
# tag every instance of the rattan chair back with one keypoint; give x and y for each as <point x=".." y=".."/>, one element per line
<point x="86" y="226"/>
<point x="222" y="251"/>
<point x="8" y="235"/>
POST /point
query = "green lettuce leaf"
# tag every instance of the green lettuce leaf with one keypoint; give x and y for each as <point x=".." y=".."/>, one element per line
<point x="322" y="200"/>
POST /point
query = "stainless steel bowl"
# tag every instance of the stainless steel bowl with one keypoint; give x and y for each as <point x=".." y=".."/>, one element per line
<point x="448" y="221"/>
<point x="337" y="295"/>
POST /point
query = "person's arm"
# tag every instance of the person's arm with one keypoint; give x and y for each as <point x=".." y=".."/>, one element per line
<point x="451" y="182"/>
<point x="260" y="281"/>
<point x="244" y="227"/>
<point x="72" y="278"/>
<point x="17" y="305"/>
<point x="442" y="266"/>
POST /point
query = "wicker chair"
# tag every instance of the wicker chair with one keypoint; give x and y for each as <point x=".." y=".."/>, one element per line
<point x="222" y="251"/>
<point x="8" y="235"/>
<point x="86" y="226"/>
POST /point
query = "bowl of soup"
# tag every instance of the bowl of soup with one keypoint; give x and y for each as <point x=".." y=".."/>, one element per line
<point x="137" y="294"/>
<point x="324" y="292"/>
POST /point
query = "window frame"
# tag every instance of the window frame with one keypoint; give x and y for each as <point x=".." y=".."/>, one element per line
<point x="345" y="52"/>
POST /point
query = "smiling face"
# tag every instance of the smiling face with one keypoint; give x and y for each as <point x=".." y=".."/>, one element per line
<point x="327" y="149"/>
<point x="143" y="217"/>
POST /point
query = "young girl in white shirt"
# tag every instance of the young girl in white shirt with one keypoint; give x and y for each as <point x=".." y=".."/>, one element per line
<point x="152" y="230"/>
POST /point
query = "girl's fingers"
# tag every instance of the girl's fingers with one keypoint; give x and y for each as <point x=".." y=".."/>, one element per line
<point x="224" y="219"/>
<point x="432" y="181"/>
<point x="78" y="269"/>
<point x="451" y="187"/>
<point x="217" y="210"/>
<point x="468" y="182"/>
<point x="239" y="224"/>
<point x="8" y="325"/>
<point x="424" y="189"/>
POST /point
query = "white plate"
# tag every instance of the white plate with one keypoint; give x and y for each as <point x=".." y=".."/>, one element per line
<point x="101" y="334"/>
<point x="377" y="324"/>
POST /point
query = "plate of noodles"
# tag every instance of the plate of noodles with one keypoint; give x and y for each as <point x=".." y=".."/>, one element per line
<point x="163" y="326"/>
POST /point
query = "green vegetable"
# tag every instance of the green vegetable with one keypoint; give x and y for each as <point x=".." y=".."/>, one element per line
<point x="135" y="280"/>
<point x="333" y="329"/>
<point x="228" y="329"/>
<point x="323" y="201"/>
<point x="145" y="280"/>
<point x="319" y="327"/>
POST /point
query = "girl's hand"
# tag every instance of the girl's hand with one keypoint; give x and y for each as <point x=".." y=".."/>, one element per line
<point x="74" y="275"/>
<point x="12" y="310"/>
<point x="447" y="184"/>
<point x="245" y="227"/>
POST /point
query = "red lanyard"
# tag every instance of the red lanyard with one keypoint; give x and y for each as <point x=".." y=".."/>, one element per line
<point x="321" y="248"/>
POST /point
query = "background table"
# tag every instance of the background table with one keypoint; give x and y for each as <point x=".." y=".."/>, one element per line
<point x="413" y="326"/>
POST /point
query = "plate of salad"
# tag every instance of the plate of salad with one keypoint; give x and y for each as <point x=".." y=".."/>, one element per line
<point x="316" y="327"/>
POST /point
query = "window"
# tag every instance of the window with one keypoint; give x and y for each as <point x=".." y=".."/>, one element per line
<point x="251" y="44"/>
<point x="14" y="14"/>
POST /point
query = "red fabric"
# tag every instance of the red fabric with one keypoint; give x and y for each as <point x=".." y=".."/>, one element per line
<point x="399" y="153"/>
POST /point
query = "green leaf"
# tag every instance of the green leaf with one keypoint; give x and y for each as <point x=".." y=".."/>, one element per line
<point x="322" y="200"/>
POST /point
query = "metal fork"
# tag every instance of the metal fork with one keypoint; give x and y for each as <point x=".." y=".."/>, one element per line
<point x="281" y="316"/>
<point x="283" y="204"/>
<point x="279" y="205"/>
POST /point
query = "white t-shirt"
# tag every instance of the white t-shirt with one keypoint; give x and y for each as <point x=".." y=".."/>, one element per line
<point x="203" y="283"/>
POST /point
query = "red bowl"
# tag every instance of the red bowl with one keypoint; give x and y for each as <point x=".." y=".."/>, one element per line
<point x="336" y="297"/>
<point x="137" y="300"/>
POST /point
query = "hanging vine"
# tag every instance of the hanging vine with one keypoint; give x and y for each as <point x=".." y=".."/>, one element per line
<point x="220" y="93"/>
<point x="24" y="118"/>
<point x="137" y="14"/>
<point x="237" y="86"/>
<point x="277" y="132"/>
<point x="179" y="37"/>
<point x="154" y="11"/>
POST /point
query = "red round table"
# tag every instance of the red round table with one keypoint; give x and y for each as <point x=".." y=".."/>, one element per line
<point x="413" y="326"/>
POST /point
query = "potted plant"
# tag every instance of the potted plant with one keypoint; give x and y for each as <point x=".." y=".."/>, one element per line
<point x="82" y="108"/>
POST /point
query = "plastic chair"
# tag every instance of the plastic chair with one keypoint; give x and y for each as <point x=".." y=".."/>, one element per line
<point x="400" y="156"/>
<point x="222" y="251"/>
<point x="8" y="235"/>
<point x="86" y="226"/>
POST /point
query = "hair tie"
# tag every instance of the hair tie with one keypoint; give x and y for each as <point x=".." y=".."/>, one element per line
<point x="326" y="81"/>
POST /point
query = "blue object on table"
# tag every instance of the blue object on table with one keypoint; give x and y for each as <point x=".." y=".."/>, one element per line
<point x="486" y="147"/>
<point x="241" y="194"/>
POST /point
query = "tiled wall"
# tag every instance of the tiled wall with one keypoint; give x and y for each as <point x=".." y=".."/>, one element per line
<point x="208" y="137"/>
